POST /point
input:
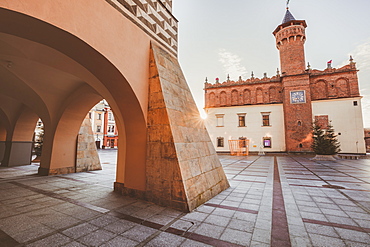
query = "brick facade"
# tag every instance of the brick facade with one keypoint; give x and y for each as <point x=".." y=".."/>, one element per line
<point x="330" y="83"/>
<point x="310" y="85"/>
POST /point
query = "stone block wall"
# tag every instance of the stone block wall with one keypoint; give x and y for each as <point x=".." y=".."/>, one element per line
<point x="87" y="158"/>
<point x="183" y="170"/>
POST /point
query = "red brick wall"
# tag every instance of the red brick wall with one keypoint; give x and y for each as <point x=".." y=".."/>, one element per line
<point x="297" y="117"/>
<point x="226" y="94"/>
<point x="334" y="83"/>
<point x="327" y="84"/>
<point x="290" y="43"/>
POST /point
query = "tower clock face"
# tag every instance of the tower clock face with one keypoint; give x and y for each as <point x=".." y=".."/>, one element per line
<point x="297" y="97"/>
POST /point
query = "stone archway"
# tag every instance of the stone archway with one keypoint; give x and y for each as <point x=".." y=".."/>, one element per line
<point x="53" y="72"/>
<point x="59" y="65"/>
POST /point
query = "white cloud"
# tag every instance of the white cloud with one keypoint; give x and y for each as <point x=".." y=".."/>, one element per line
<point x="360" y="55"/>
<point x="232" y="64"/>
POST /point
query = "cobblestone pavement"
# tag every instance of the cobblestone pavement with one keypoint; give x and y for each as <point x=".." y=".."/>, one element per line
<point x="272" y="201"/>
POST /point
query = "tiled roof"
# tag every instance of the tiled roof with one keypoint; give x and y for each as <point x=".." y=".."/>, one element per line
<point x="288" y="17"/>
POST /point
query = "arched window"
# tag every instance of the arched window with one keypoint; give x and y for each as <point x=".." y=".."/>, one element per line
<point x="212" y="99"/>
<point x="234" y="97"/>
<point x="259" y="96"/>
<point x="247" y="97"/>
<point x="223" y="98"/>
<point x="272" y="95"/>
<point x="342" y="88"/>
<point x="319" y="90"/>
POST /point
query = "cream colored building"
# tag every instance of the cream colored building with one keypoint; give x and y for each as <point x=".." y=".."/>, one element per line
<point x="96" y="115"/>
<point x="266" y="122"/>
<point x="346" y="118"/>
<point x="226" y="123"/>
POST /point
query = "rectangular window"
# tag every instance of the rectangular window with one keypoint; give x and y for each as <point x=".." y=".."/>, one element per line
<point x="355" y="103"/>
<point x="265" y="119"/>
<point x="90" y="115"/>
<point x="220" y="120"/>
<point x="267" y="142"/>
<point x="99" y="116"/>
<point x="98" y="128"/>
<point x="243" y="142"/>
<point x="241" y="119"/>
<point x="110" y="116"/>
<point x="220" y="142"/>
<point x="322" y="121"/>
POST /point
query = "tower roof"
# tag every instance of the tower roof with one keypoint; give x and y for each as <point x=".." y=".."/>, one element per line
<point x="289" y="20"/>
<point x="288" y="17"/>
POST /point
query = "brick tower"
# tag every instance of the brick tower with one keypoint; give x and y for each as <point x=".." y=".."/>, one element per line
<point x="290" y="38"/>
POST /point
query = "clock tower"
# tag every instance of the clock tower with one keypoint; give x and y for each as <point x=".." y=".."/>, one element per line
<point x="290" y="38"/>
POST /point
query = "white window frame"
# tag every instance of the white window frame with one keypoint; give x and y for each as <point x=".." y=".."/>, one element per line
<point x="266" y="114"/>
<point x="220" y="120"/>
<point x="245" y="119"/>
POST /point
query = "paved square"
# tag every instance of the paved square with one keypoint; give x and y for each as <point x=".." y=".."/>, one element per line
<point x="273" y="201"/>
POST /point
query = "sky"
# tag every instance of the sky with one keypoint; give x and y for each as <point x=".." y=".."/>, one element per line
<point x="221" y="37"/>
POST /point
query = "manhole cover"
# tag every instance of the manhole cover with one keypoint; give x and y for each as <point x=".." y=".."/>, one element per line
<point x="332" y="186"/>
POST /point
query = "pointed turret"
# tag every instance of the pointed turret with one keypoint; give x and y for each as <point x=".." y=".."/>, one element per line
<point x="290" y="38"/>
<point x="288" y="17"/>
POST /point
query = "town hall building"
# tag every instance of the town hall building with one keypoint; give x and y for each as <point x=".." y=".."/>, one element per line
<point x="276" y="114"/>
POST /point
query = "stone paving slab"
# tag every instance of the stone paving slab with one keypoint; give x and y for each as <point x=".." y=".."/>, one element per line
<point x="272" y="201"/>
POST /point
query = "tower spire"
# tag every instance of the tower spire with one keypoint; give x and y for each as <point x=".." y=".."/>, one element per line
<point x="288" y="16"/>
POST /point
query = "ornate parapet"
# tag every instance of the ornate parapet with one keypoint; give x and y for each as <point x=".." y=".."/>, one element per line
<point x="351" y="67"/>
<point x="240" y="82"/>
<point x="334" y="83"/>
<point x="244" y="92"/>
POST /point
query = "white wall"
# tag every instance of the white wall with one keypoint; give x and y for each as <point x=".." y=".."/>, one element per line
<point x="254" y="130"/>
<point x="345" y="119"/>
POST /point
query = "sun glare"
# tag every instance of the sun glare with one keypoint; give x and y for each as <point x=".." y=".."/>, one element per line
<point x="203" y="115"/>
